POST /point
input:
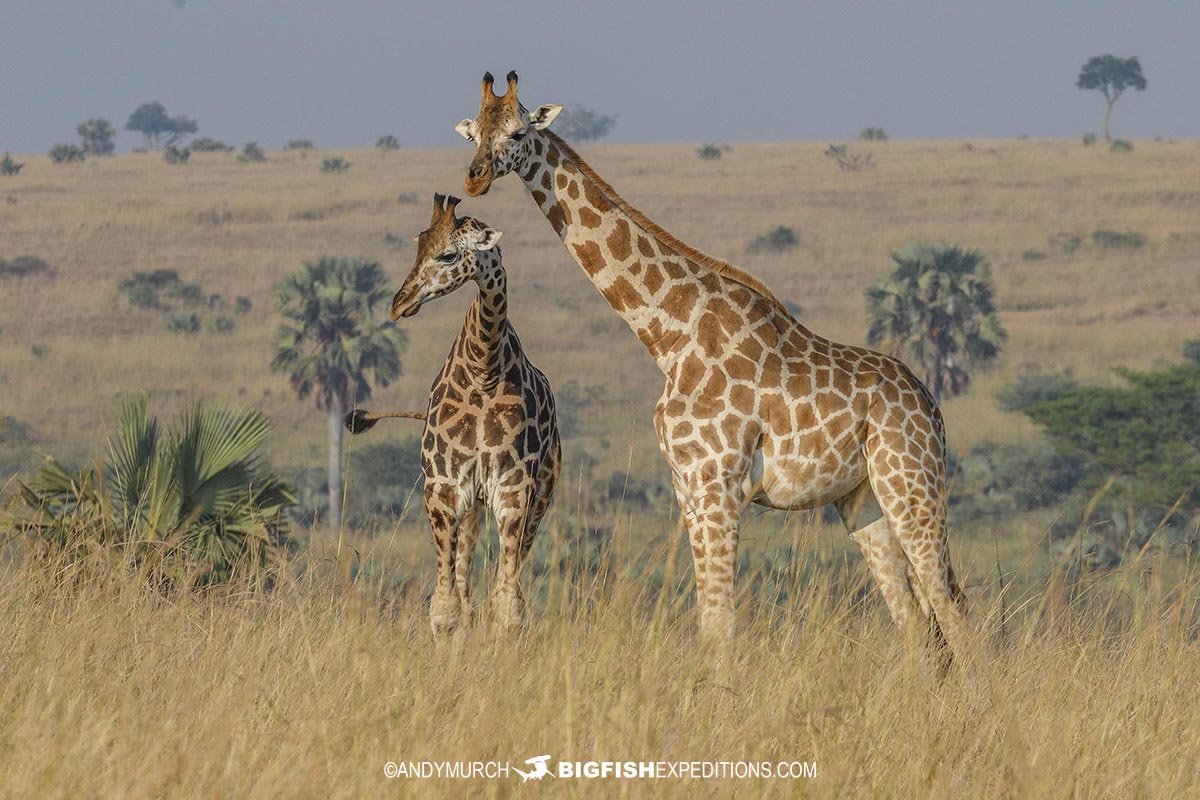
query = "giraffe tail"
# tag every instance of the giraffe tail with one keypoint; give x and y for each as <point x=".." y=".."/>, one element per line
<point x="359" y="420"/>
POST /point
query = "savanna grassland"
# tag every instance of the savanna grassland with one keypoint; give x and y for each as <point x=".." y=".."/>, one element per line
<point x="1083" y="686"/>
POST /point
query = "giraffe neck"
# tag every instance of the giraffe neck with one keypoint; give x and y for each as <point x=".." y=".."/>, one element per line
<point x="650" y="286"/>
<point x="486" y="327"/>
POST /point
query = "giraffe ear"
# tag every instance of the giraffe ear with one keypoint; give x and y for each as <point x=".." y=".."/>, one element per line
<point x="464" y="129"/>
<point x="541" y="117"/>
<point x="485" y="238"/>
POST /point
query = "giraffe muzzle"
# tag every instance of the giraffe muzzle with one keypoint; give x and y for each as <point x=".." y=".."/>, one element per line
<point x="405" y="306"/>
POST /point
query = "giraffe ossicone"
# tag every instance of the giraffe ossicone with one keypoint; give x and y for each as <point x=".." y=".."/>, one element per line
<point x="756" y="407"/>
<point x="491" y="430"/>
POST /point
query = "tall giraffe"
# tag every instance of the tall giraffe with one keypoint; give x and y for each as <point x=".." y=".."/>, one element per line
<point x="756" y="407"/>
<point x="491" y="433"/>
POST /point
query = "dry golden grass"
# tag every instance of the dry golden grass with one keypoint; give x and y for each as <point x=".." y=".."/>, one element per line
<point x="110" y="690"/>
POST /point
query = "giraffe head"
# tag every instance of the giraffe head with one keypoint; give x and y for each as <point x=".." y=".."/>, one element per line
<point x="450" y="252"/>
<point x="500" y="134"/>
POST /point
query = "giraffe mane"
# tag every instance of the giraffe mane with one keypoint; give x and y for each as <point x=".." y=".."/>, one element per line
<point x="660" y="234"/>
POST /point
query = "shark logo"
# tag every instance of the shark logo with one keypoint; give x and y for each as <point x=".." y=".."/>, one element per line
<point x="538" y="772"/>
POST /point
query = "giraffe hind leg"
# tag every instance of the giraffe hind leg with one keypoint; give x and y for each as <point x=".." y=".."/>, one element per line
<point x="889" y="566"/>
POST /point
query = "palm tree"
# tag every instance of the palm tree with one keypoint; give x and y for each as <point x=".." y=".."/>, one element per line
<point x="196" y="503"/>
<point x="937" y="306"/>
<point x="329" y="342"/>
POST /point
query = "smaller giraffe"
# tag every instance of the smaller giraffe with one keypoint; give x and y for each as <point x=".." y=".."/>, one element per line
<point x="491" y="432"/>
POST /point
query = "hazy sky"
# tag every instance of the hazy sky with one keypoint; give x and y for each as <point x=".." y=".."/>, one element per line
<point x="342" y="72"/>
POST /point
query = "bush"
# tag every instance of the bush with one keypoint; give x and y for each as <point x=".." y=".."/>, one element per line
<point x="16" y="448"/>
<point x="408" y="199"/>
<point x="252" y="153"/>
<point x="67" y="153"/>
<point x="206" y="144"/>
<point x="1116" y="239"/>
<point x="584" y="125"/>
<point x="847" y="161"/>
<point x="873" y="134"/>
<point x="712" y="152"/>
<point x="1033" y="255"/>
<point x="175" y="155"/>
<point x="1142" y="435"/>
<point x="299" y="144"/>
<point x="387" y="143"/>
<point x="218" y="324"/>
<point x="8" y="166"/>
<point x="195" y="504"/>
<point x="1191" y="350"/>
<point x="243" y="305"/>
<point x="183" y="322"/>
<point x="336" y="164"/>
<point x="97" y="136"/>
<point x="25" y="267"/>
<point x="1000" y="479"/>
<point x="779" y="239"/>
<point x="1121" y="146"/>
<point x="383" y="477"/>
<point x="1066" y="242"/>
<point x="1031" y="389"/>
<point x="1089" y="139"/>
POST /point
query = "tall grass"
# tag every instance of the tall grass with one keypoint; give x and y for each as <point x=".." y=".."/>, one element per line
<point x="1082" y="684"/>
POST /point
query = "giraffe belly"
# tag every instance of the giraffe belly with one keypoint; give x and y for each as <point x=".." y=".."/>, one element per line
<point x="796" y="482"/>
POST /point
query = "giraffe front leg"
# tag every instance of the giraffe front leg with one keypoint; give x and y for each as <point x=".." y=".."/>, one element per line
<point x="711" y="513"/>
<point x="507" y="602"/>
<point x="468" y="535"/>
<point x="444" y="606"/>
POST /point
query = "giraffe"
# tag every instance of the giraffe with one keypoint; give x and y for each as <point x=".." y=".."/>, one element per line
<point x="756" y="408"/>
<point x="491" y="431"/>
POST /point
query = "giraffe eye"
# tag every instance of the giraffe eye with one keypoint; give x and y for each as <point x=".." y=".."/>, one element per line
<point x="448" y="258"/>
<point x="518" y="136"/>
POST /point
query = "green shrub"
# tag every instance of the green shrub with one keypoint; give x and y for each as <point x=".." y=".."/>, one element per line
<point x="1121" y="146"/>
<point x="408" y="199"/>
<point x="385" y="477"/>
<point x="1129" y="240"/>
<point x="8" y="166"/>
<point x="1191" y="350"/>
<point x="252" y="153"/>
<point x="242" y="305"/>
<point x="1031" y="389"/>
<point x="67" y="153"/>
<point x="335" y="164"/>
<point x="299" y="144"/>
<point x="999" y="479"/>
<point x="1066" y="242"/>
<point x="1089" y="139"/>
<point x="387" y="143"/>
<point x="25" y="267"/>
<point x="873" y="134"/>
<point x="207" y="144"/>
<point x="218" y="324"/>
<point x="183" y="322"/>
<point x="712" y="152"/>
<point x="176" y="155"/>
<point x="779" y="239"/>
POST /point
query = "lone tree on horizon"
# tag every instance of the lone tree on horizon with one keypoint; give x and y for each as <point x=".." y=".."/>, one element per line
<point x="153" y="122"/>
<point x="328" y="342"/>
<point x="1111" y="75"/>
